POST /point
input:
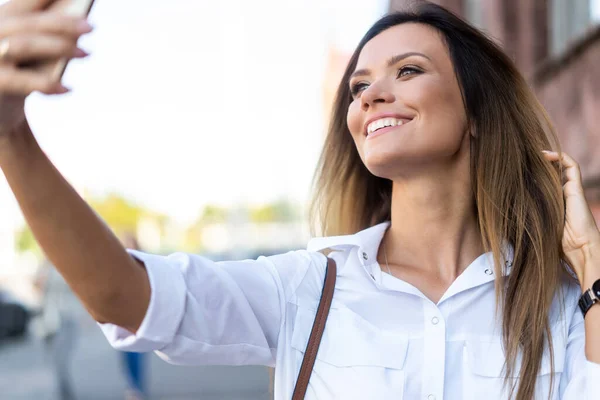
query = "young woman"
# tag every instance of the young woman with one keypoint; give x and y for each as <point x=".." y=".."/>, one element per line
<point x="473" y="246"/>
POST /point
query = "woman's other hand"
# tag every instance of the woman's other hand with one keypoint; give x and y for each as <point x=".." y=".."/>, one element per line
<point x="581" y="238"/>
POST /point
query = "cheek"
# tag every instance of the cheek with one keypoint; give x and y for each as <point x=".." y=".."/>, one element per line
<point x="442" y="101"/>
<point x="354" y="120"/>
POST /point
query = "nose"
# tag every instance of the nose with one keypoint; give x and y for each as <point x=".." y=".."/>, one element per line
<point x="376" y="93"/>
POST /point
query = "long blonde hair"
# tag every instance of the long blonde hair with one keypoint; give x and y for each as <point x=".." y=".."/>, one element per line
<point x="516" y="192"/>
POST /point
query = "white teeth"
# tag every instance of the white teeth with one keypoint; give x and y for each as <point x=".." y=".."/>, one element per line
<point x="382" y="123"/>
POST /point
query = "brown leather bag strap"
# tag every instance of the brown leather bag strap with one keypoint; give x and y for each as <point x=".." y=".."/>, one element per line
<point x="317" y="331"/>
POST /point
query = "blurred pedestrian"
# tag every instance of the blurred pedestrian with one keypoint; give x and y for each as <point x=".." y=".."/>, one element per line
<point x="56" y="325"/>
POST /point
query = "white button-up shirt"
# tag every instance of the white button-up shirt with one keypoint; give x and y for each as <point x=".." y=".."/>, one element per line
<point x="383" y="340"/>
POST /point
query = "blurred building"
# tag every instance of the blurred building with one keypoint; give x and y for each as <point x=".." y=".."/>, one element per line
<point x="556" y="44"/>
<point x="336" y="62"/>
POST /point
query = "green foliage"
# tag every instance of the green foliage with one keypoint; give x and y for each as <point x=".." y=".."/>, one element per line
<point x="123" y="215"/>
<point x="213" y="215"/>
<point x="25" y="241"/>
<point x="119" y="213"/>
<point x="280" y="211"/>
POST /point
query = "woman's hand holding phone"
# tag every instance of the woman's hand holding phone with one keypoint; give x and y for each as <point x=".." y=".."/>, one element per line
<point x="34" y="33"/>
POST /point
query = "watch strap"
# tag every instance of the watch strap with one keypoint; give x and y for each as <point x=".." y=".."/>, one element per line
<point x="590" y="297"/>
<point x="586" y="301"/>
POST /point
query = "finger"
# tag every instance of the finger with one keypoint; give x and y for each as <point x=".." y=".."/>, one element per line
<point x="551" y="155"/>
<point x="48" y="23"/>
<point x="36" y="47"/>
<point x="20" y="7"/>
<point x="572" y="171"/>
<point x="15" y="81"/>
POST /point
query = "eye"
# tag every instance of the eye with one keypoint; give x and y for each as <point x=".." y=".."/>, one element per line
<point x="408" y="70"/>
<point x="357" y="88"/>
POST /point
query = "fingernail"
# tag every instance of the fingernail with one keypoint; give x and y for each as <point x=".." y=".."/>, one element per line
<point x="61" y="89"/>
<point x="84" y="27"/>
<point x="546" y="151"/>
<point x="79" y="53"/>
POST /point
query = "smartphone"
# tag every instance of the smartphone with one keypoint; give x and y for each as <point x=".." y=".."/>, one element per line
<point x="77" y="8"/>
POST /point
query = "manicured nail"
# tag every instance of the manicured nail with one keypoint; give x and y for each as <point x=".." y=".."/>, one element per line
<point x="84" y="27"/>
<point x="61" y="89"/>
<point x="79" y="53"/>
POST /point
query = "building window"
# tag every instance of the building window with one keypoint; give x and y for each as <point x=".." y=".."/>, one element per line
<point x="569" y="20"/>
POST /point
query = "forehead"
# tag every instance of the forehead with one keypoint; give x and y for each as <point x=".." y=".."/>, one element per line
<point x="403" y="38"/>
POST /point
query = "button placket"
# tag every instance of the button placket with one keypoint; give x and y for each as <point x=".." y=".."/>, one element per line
<point x="434" y="353"/>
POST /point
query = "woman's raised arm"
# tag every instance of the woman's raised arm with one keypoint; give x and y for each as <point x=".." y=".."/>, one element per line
<point x="111" y="284"/>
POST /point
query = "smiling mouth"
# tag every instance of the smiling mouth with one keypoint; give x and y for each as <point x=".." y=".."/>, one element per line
<point x="384" y="125"/>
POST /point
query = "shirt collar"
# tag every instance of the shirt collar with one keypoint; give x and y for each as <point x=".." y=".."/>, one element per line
<point x="367" y="239"/>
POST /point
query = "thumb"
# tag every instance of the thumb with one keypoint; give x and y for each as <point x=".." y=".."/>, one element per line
<point x="20" y="7"/>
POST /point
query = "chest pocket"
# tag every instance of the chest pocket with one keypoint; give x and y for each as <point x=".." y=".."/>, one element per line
<point x="356" y="360"/>
<point x="484" y="360"/>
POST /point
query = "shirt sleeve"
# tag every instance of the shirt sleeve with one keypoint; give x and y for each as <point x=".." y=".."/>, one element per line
<point x="214" y="313"/>
<point x="581" y="378"/>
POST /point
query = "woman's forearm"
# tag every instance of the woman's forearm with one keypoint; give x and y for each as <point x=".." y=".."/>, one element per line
<point x="111" y="284"/>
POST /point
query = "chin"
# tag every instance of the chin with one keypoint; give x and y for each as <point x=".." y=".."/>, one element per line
<point x="381" y="164"/>
<point x="391" y="163"/>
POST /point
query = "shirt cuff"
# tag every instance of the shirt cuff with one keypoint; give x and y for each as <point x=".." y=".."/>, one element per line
<point x="165" y="311"/>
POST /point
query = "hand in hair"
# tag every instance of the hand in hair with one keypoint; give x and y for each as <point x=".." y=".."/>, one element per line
<point x="581" y="237"/>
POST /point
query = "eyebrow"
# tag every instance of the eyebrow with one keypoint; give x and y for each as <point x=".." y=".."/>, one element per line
<point x="395" y="59"/>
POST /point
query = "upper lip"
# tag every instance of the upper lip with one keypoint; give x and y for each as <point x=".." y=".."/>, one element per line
<point x="385" y="115"/>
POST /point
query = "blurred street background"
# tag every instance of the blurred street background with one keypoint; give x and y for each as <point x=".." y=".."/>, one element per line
<point x="196" y="125"/>
<point x="96" y="372"/>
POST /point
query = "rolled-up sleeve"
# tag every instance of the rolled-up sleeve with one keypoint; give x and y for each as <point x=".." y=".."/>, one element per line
<point x="581" y="378"/>
<point x="214" y="313"/>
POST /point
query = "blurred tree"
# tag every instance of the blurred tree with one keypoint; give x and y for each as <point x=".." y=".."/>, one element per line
<point x="279" y="211"/>
<point x="120" y="214"/>
<point x="24" y="241"/>
<point x="213" y="214"/>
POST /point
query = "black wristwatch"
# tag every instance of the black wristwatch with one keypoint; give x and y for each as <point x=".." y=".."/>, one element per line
<point x="590" y="297"/>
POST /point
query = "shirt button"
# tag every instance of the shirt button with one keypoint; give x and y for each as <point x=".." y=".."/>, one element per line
<point x="431" y="397"/>
<point x="489" y="272"/>
<point x="435" y="320"/>
<point x="365" y="256"/>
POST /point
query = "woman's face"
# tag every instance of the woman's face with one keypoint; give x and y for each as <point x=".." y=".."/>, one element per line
<point x="407" y="111"/>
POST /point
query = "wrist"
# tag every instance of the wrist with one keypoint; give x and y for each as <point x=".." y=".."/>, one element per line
<point x="589" y="278"/>
<point x="15" y="142"/>
<point x="589" y="298"/>
<point x="591" y="267"/>
<point x="587" y="283"/>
